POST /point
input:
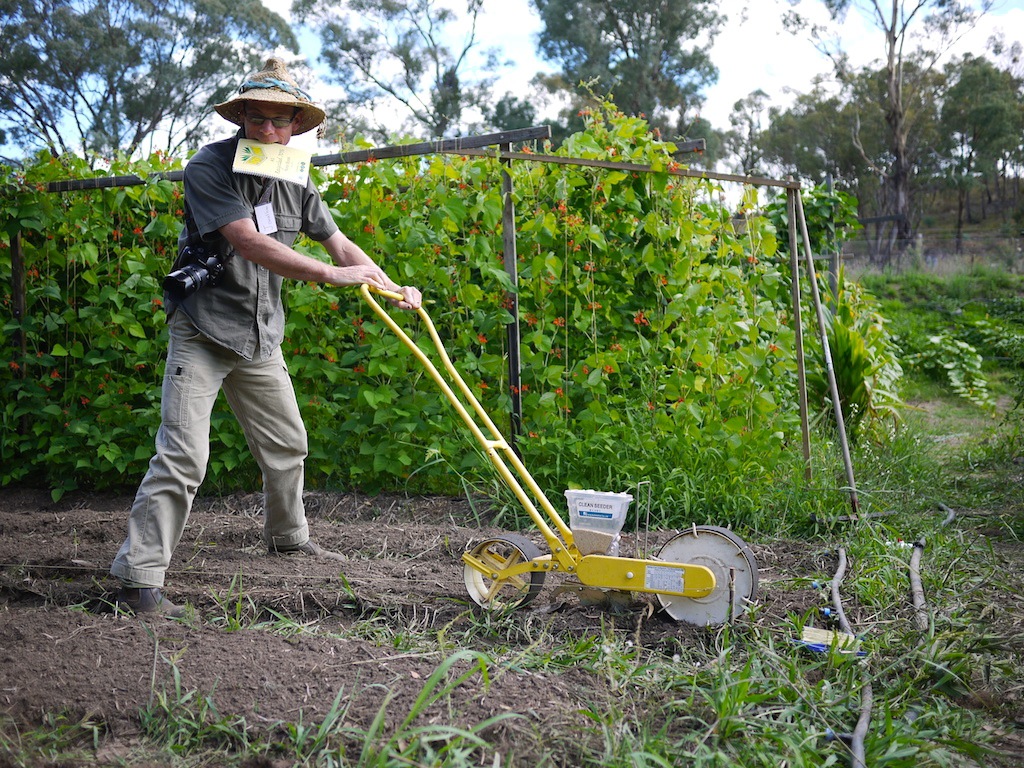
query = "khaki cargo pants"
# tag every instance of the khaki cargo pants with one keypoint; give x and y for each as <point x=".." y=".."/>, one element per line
<point x="262" y="398"/>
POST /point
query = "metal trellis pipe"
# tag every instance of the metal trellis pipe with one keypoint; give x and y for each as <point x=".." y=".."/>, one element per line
<point x="837" y="405"/>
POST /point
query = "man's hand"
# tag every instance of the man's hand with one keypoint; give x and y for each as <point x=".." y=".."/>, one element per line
<point x="413" y="297"/>
<point x="354" y="267"/>
<point x="357" y="274"/>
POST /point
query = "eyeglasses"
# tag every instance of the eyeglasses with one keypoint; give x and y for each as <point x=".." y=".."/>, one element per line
<point x="277" y="122"/>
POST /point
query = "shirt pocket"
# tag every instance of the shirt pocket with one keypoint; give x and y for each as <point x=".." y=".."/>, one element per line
<point x="288" y="226"/>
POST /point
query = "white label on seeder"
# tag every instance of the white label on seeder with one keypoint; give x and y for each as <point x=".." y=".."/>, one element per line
<point x="662" y="579"/>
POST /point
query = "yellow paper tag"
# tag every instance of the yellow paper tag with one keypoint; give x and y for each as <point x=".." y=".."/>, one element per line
<point x="273" y="160"/>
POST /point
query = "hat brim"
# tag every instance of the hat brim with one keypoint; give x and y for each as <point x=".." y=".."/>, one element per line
<point x="308" y="118"/>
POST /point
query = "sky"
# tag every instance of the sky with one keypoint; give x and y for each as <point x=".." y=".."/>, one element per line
<point x="752" y="50"/>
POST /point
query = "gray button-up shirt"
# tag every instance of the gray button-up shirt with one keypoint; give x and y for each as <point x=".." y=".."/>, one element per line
<point x="244" y="312"/>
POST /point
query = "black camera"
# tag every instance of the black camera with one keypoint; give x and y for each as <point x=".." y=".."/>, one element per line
<point x="200" y="268"/>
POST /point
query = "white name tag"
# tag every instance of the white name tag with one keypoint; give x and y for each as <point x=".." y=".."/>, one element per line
<point x="266" y="222"/>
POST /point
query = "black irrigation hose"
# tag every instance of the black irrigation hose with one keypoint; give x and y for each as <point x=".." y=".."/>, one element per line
<point x="950" y="515"/>
<point x="916" y="588"/>
<point x="837" y="603"/>
<point x="856" y="739"/>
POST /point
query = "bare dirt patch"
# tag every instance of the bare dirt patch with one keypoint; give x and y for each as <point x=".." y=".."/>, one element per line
<point x="64" y="651"/>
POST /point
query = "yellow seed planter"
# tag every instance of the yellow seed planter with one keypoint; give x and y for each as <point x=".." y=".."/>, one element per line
<point x="704" y="575"/>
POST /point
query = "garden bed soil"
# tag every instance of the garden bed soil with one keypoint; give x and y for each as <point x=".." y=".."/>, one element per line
<point x="64" y="653"/>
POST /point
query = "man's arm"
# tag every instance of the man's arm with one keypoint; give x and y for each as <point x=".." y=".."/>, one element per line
<point x="351" y="264"/>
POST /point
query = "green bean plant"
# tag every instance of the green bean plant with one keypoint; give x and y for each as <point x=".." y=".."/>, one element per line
<point x="656" y="334"/>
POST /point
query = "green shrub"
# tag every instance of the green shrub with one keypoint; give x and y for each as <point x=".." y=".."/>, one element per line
<point x="656" y="338"/>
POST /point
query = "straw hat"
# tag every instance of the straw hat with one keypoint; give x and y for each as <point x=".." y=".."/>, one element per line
<point x="273" y="85"/>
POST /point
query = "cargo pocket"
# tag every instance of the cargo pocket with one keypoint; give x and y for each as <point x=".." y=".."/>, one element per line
<point x="177" y="389"/>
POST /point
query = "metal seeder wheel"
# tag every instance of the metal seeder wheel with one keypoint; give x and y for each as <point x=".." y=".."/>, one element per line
<point x="731" y="561"/>
<point x="503" y="552"/>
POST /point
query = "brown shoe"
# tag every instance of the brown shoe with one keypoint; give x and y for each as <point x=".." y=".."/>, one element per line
<point x="310" y="548"/>
<point x="148" y="601"/>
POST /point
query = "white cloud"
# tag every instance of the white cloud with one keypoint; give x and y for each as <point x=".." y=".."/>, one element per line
<point x="752" y="51"/>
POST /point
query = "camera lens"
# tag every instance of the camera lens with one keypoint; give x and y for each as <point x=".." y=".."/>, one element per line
<point x="186" y="281"/>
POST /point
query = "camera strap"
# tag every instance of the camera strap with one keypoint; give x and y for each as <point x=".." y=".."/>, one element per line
<point x="192" y="236"/>
<point x="192" y="231"/>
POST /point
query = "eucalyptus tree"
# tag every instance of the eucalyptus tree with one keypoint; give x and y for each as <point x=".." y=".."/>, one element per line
<point x="651" y="56"/>
<point x="743" y="140"/>
<point x="981" y="114"/>
<point x="100" y="76"/>
<point x="393" y="60"/>
<point x="842" y="134"/>
<point x="810" y="140"/>
<point x="911" y="30"/>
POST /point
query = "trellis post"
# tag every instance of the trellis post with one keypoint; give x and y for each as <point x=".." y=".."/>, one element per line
<point x="508" y="234"/>
<point x="792" y="195"/>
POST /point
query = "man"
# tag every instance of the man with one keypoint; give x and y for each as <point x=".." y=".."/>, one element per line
<point x="228" y="335"/>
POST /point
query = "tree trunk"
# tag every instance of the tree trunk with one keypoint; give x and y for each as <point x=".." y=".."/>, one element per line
<point x="896" y="119"/>
<point x="960" y="203"/>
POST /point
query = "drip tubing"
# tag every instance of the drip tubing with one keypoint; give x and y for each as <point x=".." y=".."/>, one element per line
<point x="855" y="740"/>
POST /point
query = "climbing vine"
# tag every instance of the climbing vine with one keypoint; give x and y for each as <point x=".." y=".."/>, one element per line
<point x="656" y="339"/>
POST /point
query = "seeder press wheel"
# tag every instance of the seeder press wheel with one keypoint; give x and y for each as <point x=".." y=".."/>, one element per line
<point x="505" y="551"/>
<point x="731" y="561"/>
